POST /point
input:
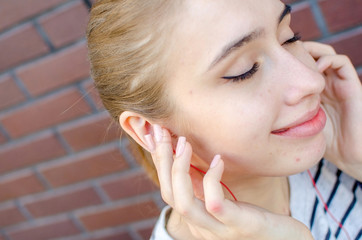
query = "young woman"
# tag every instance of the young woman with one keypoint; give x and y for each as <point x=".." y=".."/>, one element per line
<point x="227" y="88"/>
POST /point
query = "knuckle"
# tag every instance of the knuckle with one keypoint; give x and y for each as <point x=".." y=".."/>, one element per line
<point x="167" y="197"/>
<point x="184" y="208"/>
<point x="330" y="49"/>
<point x="215" y="207"/>
<point x="346" y="58"/>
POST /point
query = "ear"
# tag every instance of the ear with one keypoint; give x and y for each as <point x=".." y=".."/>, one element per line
<point x="136" y="126"/>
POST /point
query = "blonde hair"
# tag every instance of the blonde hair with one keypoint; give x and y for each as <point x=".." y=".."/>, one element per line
<point x="127" y="50"/>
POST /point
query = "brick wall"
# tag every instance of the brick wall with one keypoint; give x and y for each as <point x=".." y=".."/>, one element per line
<point x="64" y="173"/>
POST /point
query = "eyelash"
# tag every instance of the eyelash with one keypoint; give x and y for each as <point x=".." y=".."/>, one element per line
<point x="296" y="37"/>
<point x="256" y="66"/>
<point x="244" y="76"/>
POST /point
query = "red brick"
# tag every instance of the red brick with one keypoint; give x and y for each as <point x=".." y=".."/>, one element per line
<point x="127" y="186"/>
<point x="104" y="218"/>
<point x="146" y="232"/>
<point x="350" y="45"/>
<point x="10" y="94"/>
<point x="20" y="45"/>
<point x="19" y="185"/>
<point x="90" y="132"/>
<point x="92" y="165"/>
<point x="56" y="71"/>
<point x="58" y="203"/>
<point x="93" y="93"/>
<point x="134" y="151"/>
<point x="32" y="151"/>
<point x="44" y="113"/>
<point x="66" y="25"/>
<point x="340" y="15"/>
<point x="114" y="236"/>
<point x="45" y="231"/>
<point x="14" y="11"/>
<point x="303" y="22"/>
<point x="2" y="139"/>
<point x="10" y="215"/>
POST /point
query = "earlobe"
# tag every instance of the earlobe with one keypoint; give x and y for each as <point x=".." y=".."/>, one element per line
<point x="137" y="127"/>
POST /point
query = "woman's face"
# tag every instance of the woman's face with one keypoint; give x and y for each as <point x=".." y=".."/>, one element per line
<point x="257" y="121"/>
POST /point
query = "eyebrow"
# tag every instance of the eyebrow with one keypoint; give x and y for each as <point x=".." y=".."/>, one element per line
<point x="287" y="10"/>
<point x="228" y="49"/>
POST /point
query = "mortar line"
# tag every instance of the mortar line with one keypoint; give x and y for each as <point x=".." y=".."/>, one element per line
<point x="318" y="16"/>
<point x="44" y="36"/>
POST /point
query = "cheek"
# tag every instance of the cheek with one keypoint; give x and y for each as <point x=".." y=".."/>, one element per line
<point x="224" y="122"/>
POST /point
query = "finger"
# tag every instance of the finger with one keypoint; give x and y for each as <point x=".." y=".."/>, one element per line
<point x="318" y="50"/>
<point x="185" y="202"/>
<point x="181" y="181"/>
<point x="214" y="195"/>
<point x="163" y="159"/>
<point x="339" y="63"/>
<point x="230" y="213"/>
<point x="221" y="208"/>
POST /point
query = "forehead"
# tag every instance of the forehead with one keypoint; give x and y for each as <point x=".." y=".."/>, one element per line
<point x="206" y="26"/>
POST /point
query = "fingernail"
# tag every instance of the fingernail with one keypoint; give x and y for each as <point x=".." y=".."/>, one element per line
<point x="158" y="132"/>
<point x="215" y="161"/>
<point x="180" y="146"/>
<point x="149" y="142"/>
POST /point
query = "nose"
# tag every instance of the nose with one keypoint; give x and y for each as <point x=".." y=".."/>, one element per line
<point x="300" y="78"/>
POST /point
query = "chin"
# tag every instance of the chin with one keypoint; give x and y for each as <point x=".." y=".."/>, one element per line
<point x="310" y="155"/>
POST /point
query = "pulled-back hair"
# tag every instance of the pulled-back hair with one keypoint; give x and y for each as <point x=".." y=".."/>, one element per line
<point x="127" y="50"/>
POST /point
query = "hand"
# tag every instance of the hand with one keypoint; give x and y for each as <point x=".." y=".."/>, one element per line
<point x="342" y="100"/>
<point x="215" y="217"/>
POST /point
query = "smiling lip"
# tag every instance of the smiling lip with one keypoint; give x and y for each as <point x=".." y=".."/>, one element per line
<point x="309" y="125"/>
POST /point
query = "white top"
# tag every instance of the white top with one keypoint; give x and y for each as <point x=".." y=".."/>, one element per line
<point x="160" y="232"/>
<point x="341" y="194"/>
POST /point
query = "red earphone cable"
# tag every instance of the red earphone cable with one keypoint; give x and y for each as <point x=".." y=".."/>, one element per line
<point x="226" y="187"/>
<point x="326" y="207"/>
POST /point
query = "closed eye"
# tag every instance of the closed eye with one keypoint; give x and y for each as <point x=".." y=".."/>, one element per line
<point x="255" y="67"/>
<point x="295" y="38"/>
<point x="245" y="75"/>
